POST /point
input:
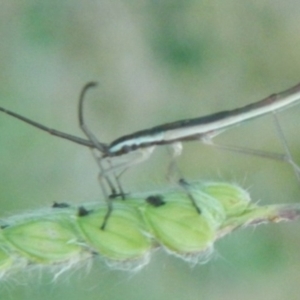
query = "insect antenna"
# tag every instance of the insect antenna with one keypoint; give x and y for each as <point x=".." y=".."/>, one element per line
<point x="91" y="142"/>
<point x="51" y="131"/>
<point x="102" y="148"/>
<point x="97" y="144"/>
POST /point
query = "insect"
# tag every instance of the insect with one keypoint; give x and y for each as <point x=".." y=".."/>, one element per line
<point x="138" y="146"/>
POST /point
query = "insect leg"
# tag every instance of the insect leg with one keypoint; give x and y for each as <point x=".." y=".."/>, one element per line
<point x="134" y="158"/>
<point x="283" y="140"/>
<point x="247" y="151"/>
<point x="176" y="149"/>
<point x="283" y="157"/>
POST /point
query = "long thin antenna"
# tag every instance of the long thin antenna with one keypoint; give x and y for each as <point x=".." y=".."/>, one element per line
<point x="103" y="148"/>
<point x="51" y="131"/>
<point x="100" y="146"/>
<point x="143" y="142"/>
<point x="92" y="143"/>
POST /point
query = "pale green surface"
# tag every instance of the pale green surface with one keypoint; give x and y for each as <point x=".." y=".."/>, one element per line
<point x="62" y="236"/>
<point x="156" y="63"/>
<point x="60" y="239"/>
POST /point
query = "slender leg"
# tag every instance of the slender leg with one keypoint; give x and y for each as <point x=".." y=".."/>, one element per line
<point x="286" y="157"/>
<point x="184" y="184"/>
<point x="140" y="155"/>
<point x="176" y="149"/>
<point x="121" y="193"/>
<point x="247" y="151"/>
<point x="107" y="179"/>
<point x="125" y="162"/>
<point x="282" y="137"/>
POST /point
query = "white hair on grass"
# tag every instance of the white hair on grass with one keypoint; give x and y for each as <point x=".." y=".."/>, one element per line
<point x="20" y="263"/>
<point x="194" y="258"/>
<point x="22" y="267"/>
<point x="136" y="228"/>
<point x="132" y="266"/>
<point x="83" y="262"/>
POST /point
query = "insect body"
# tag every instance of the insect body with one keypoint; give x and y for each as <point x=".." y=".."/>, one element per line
<point x="202" y="128"/>
<point x="138" y="146"/>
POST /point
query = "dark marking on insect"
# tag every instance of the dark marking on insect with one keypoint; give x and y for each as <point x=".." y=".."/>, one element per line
<point x="155" y="200"/>
<point x="82" y="211"/>
<point x="60" y="205"/>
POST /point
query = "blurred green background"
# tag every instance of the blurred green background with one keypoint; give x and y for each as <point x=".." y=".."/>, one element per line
<point x="156" y="62"/>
